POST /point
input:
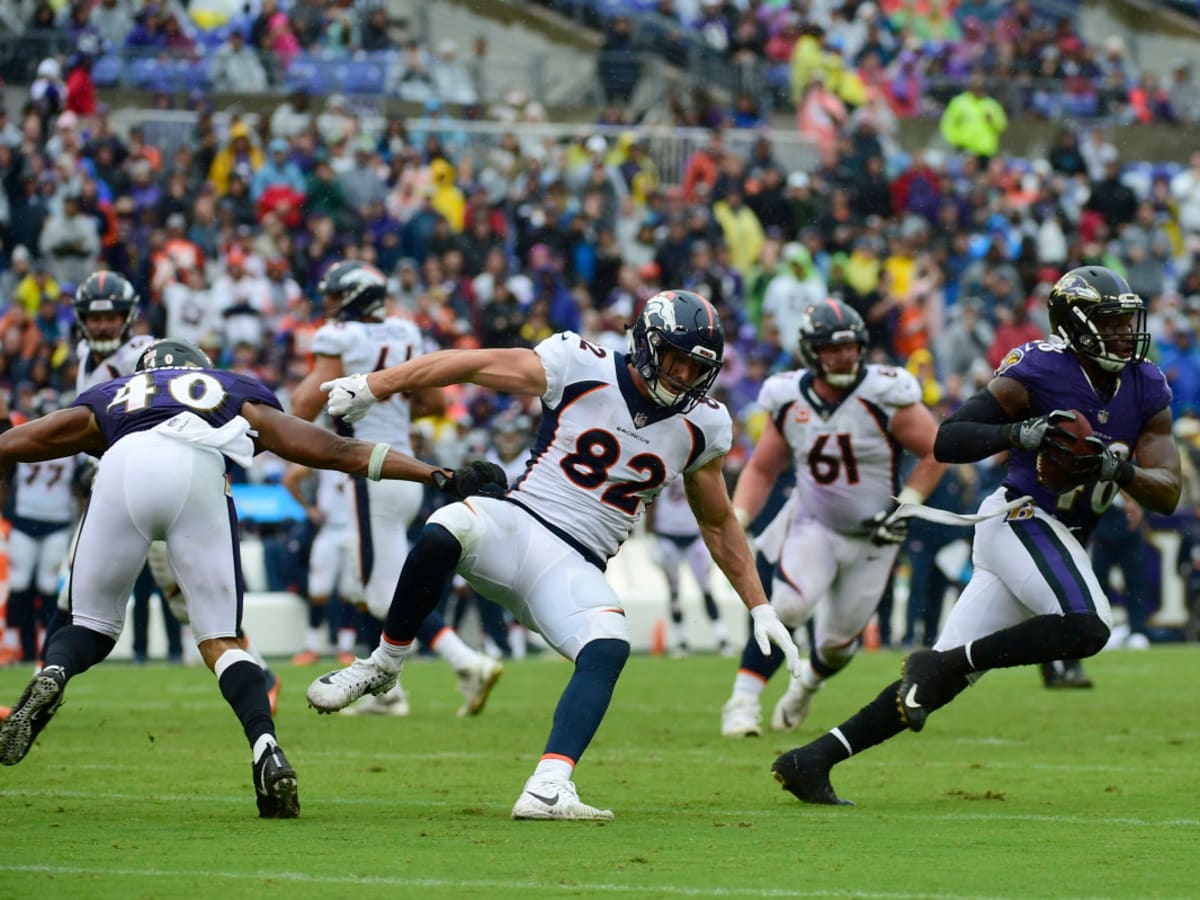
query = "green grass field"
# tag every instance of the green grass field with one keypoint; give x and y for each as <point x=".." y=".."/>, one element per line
<point x="141" y="788"/>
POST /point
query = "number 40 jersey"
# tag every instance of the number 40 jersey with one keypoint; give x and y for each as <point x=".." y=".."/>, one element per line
<point x="847" y="462"/>
<point x="602" y="450"/>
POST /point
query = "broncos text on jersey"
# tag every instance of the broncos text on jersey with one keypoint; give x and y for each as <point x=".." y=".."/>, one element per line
<point x="602" y="450"/>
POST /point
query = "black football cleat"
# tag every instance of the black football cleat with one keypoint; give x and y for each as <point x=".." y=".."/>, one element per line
<point x="918" y="673"/>
<point x="276" y="786"/>
<point x="41" y="699"/>
<point x="805" y="774"/>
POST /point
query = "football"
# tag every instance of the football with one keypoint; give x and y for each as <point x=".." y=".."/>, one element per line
<point x="1053" y="468"/>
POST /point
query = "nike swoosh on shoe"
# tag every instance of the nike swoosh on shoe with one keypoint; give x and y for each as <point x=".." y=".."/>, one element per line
<point x="549" y="801"/>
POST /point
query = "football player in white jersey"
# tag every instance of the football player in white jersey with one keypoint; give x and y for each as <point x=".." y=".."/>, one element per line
<point x="842" y="424"/>
<point x="677" y="538"/>
<point x="615" y="429"/>
<point x="357" y="338"/>
<point x="41" y="508"/>
<point x="332" y="559"/>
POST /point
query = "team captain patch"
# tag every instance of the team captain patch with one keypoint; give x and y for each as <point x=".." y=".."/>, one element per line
<point x="1014" y="356"/>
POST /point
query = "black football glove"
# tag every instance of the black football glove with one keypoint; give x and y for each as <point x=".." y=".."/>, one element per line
<point x="476" y="477"/>
<point x="1045" y="433"/>
<point x="885" y="533"/>
<point x="1102" y="464"/>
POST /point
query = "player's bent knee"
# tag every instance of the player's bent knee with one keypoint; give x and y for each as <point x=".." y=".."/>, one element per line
<point x="1086" y="634"/>
<point x="609" y="654"/>
<point x="453" y="528"/>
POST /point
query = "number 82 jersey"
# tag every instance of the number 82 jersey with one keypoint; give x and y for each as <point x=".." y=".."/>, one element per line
<point x="602" y="450"/>
<point x="847" y="462"/>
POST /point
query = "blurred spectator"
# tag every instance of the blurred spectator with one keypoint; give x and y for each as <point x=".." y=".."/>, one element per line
<point x="236" y="66"/>
<point x="113" y="22"/>
<point x="451" y="81"/>
<point x="797" y="287"/>
<point x="974" y="121"/>
<point x="618" y="66"/>
<point x="742" y="230"/>
<point x="239" y="155"/>
<point x="70" y="242"/>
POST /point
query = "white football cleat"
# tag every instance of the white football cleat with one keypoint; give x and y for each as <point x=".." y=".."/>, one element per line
<point x="392" y="702"/>
<point x="341" y="687"/>
<point x="475" y="683"/>
<point x="547" y="799"/>
<point x="741" y="716"/>
<point x="792" y="707"/>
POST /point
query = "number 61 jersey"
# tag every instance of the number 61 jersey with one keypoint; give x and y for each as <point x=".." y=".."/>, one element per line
<point x="847" y="462"/>
<point x="140" y="401"/>
<point x="602" y="450"/>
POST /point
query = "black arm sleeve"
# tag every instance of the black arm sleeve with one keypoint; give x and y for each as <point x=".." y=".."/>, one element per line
<point x="978" y="429"/>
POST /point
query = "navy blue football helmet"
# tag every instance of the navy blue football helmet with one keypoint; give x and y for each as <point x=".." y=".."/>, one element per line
<point x="684" y="322"/>
<point x="828" y="324"/>
<point x="105" y="292"/>
<point x="353" y="290"/>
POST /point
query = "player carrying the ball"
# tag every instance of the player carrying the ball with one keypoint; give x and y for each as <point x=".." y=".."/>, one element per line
<point x="1033" y="595"/>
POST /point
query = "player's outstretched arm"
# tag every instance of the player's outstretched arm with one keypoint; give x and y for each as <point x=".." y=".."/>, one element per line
<point x="509" y="371"/>
<point x="308" y="398"/>
<point x="62" y="433"/>
<point x="726" y="541"/>
<point x="311" y="445"/>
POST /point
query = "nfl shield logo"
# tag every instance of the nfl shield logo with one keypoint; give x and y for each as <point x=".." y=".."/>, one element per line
<point x="1102" y="416"/>
<point x="639" y="419"/>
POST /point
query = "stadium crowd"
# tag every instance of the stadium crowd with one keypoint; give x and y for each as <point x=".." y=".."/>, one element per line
<point x="947" y="254"/>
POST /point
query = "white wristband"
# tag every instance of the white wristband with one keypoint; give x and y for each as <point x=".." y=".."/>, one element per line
<point x="378" y="454"/>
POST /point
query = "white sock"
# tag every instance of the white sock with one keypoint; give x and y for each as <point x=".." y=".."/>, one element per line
<point x="517" y="642"/>
<point x="454" y="650"/>
<point x="390" y="657"/>
<point x="313" y="641"/>
<point x="554" y="769"/>
<point x="809" y="678"/>
<point x="346" y="638"/>
<point x="751" y="685"/>
<point x="720" y="631"/>
<point x="264" y="743"/>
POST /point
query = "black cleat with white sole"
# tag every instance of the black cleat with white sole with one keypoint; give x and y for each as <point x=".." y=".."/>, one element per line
<point x="276" y="786"/>
<point x="805" y="774"/>
<point x="41" y="699"/>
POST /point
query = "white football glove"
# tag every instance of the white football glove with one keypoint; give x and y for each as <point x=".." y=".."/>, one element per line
<point x="769" y="630"/>
<point x="350" y="398"/>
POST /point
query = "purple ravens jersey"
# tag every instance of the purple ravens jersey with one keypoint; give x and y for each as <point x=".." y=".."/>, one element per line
<point x="143" y="400"/>
<point x="1054" y="379"/>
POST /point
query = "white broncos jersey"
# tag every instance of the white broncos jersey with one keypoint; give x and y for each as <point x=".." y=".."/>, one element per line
<point x="117" y="364"/>
<point x="367" y="347"/>
<point x="41" y="491"/>
<point x="333" y="497"/>
<point x="673" y="514"/>
<point x="847" y="462"/>
<point x="602" y="451"/>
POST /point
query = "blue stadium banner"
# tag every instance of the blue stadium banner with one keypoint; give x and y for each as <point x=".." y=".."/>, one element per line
<point x="266" y="503"/>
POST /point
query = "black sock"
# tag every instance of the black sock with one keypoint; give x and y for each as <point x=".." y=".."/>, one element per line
<point x="676" y="610"/>
<point x="754" y="661"/>
<point x="77" y="649"/>
<point x="710" y="607"/>
<point x="21" y="618"/>
<point x="875" y="723"/>
<point x="316" y="614"/>
<point x="244" y="687"/>
<point x="427" y="569"/>
<point x="1035" y="640"/>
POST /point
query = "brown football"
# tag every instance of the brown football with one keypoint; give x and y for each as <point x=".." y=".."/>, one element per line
<point x="1053" y="468"/>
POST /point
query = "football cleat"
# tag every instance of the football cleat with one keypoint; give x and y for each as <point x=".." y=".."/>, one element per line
<point x="475" y="683"/>
<point x="1065" y="674"/>
<point x="918" y="672"/>
<point x="275" y="786"/>
<point x="741" y="716"/>
<point x="792" y="708"/>
<point x="306" y="658"/>
<point x="341" y="687"/>
<point x="41" y="699"/>
<point x="805" y="774"/>
<point x="392" y="702"/>
<point x="544" y="798"/>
